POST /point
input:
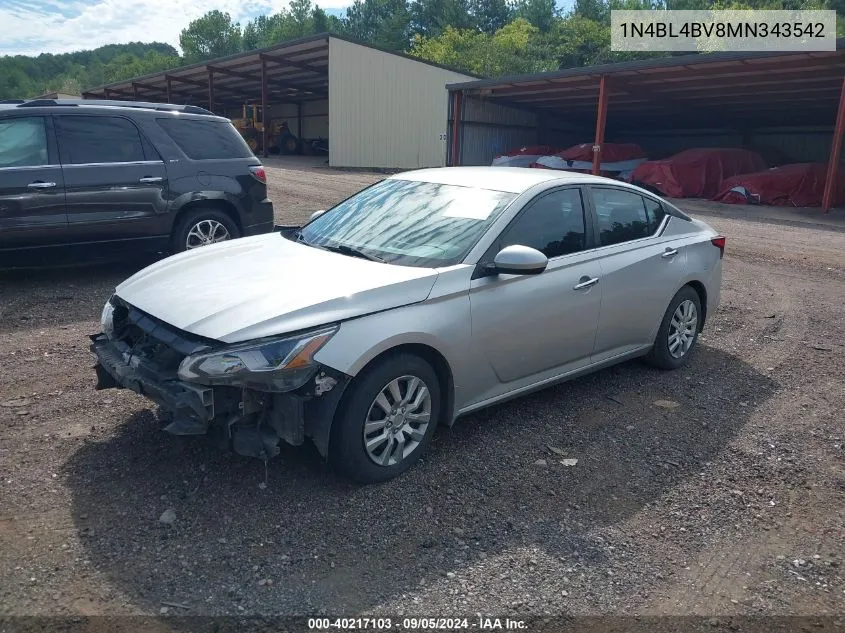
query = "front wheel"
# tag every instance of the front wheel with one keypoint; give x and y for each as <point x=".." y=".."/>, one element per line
<point x="678" y="331"/>
<point x="388" y="421"/>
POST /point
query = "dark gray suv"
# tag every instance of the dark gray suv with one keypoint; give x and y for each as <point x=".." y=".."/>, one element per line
<point x="95" y="178"/>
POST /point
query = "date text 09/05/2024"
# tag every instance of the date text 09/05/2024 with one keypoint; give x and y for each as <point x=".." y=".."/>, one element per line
<point x="480" y="623"/>
<point x="739" y="30"/>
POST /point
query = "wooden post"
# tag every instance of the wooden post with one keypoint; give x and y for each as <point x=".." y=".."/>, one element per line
<point x="264" y="107"/>
<point x="601" y="119"/>
<point x="211" y="90"/>
<point x="167" y="79"/>
<point x="135" y="91"/>
<point x="835" y="152"/>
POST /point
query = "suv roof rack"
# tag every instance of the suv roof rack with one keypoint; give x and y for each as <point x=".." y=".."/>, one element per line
<point x="163" y="107"/>
<point x="12" y="101"/>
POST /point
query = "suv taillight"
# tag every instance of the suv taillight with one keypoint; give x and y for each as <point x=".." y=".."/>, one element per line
<point x="258" y="173"/>
<point x="719" y="242"/>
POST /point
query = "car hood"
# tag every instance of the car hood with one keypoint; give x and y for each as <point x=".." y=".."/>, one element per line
<point x="268" y="285"/>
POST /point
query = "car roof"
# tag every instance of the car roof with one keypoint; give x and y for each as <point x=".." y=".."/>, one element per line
<point x="39" y="106"/>
<point x="509" y="179"/>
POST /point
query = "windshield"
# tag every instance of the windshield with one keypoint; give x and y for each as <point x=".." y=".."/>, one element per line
<point x="409" y="223"/>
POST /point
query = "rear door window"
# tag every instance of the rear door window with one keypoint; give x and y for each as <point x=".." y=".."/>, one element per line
<point x="99" y="139"/>
<point x="205" y="140"/>
<point x="23" y="142"/>
<point x="622" y="216"/>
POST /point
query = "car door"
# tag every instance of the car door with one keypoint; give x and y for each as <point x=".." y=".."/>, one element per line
<point x="527" y="326"/>
<point x="640" y="268"/>
<point x="116" y="184"/>
<point x="32" y="194"/>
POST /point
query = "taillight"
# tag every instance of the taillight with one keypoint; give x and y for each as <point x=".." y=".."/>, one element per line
<point x="719" y="242"/>
<point x="258" y="172"/>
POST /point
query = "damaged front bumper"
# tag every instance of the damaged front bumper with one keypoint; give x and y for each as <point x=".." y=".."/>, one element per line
<point x="251" y="422"/>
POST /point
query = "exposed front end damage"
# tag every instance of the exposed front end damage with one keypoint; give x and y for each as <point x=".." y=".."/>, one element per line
<point x="144" y="354"/>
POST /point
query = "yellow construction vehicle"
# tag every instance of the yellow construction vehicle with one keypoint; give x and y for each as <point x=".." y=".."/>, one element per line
<point x="280" y="139"/>
<point x="250" y="125"/>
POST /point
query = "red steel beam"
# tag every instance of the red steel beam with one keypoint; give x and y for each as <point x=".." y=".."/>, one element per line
<point x="835" y="152"/>
<point x="264" y="107"/>
<point x="601" y="120"/>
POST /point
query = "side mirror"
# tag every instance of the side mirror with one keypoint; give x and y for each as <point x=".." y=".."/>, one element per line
<point x="316" y="214"/>
<point x="519" y="260"/>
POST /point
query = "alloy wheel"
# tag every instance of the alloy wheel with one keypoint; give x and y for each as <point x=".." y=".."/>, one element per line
<point x="682" y="328"/>
<point x="397" y="420"/>
<point x="206" y="232"/>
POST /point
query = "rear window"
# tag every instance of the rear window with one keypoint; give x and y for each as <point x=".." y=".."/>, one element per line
<point x="205" y="140"/>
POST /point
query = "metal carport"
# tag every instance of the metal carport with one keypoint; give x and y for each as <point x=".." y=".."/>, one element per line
<point x="741" y="91"/>
<point x="384" y="109"/>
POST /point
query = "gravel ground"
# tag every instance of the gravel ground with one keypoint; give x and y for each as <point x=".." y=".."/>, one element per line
<point x="717" y="489"/>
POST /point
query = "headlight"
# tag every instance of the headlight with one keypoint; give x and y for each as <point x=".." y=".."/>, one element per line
<point x="278" y="364"/>
<point x="107" y="320"/>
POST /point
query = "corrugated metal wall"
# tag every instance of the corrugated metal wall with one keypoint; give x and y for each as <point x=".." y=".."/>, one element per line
<point x="776" y="145"/>
<point x="385" y="111"/>
<point x="489" y="128"/>
<point x="315" y="117"/>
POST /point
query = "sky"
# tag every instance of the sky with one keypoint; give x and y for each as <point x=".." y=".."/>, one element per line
<point x="31" y="27"/>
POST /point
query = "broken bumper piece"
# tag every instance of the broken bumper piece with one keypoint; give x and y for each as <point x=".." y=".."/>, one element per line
<point x="250" y="422"/>
<point x="191" y="406"/>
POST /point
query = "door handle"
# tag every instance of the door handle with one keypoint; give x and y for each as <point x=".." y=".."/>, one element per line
<point x="41" y="185"/>
<point x="150" y="179"/>
<point x="586" y="282"/>
<point x="669" y="252"/>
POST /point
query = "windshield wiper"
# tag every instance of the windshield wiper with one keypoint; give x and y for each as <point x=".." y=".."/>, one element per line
<point x="343" y="249"/>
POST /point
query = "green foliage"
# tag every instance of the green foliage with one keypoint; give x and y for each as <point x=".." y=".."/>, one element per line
<point x="71" y="73"/>
<point x="212" y="35"/>
<point x="485" y="37"/>
<point x="504" y="52"/>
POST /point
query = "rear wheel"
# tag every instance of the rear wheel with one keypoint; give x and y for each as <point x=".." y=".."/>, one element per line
<point x="388" y="421"/>
<point x="678" y="331"/>
<point x="201" y="228"/>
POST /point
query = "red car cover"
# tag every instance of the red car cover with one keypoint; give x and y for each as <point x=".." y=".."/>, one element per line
<point x="696" y="173"/>
<point x="797" y="185"/>
<point x="616" y="159"/>
<point x="523" y="156"/>
<point x="610" y="152"/>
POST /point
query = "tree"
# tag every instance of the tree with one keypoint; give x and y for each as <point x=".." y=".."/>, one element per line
<point x="429" y="18"/>
<point x="384" y="23"/>
<point x="503" y="53"/>
<point x="540" y="13"/>
<point x="213" y="35"/>
<point x="490" y="15"/>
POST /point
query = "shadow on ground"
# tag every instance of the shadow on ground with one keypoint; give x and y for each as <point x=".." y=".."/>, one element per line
<point x="326" y="544"/>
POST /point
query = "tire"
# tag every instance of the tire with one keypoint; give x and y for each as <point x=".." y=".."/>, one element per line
<point x="347" y="452"/>
<point x="195" y="223"/>
<point x="662" y="354"/>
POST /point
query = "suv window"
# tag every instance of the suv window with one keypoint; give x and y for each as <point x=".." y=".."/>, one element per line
<point x="99" y="139"/>
<point x="553" y="224"/>
<point x="23" y="142"/>
<point x="205" y="140"/>
<point x="623" y="217"/>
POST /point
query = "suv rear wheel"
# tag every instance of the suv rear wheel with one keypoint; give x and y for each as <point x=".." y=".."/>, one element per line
<point x="202" y="227"/>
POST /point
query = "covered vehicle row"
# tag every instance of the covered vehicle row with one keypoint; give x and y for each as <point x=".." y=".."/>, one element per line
<point x="723" y="174"/>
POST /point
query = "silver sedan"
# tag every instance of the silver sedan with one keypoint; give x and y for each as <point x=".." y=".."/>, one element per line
<point x="424" y="297"/>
